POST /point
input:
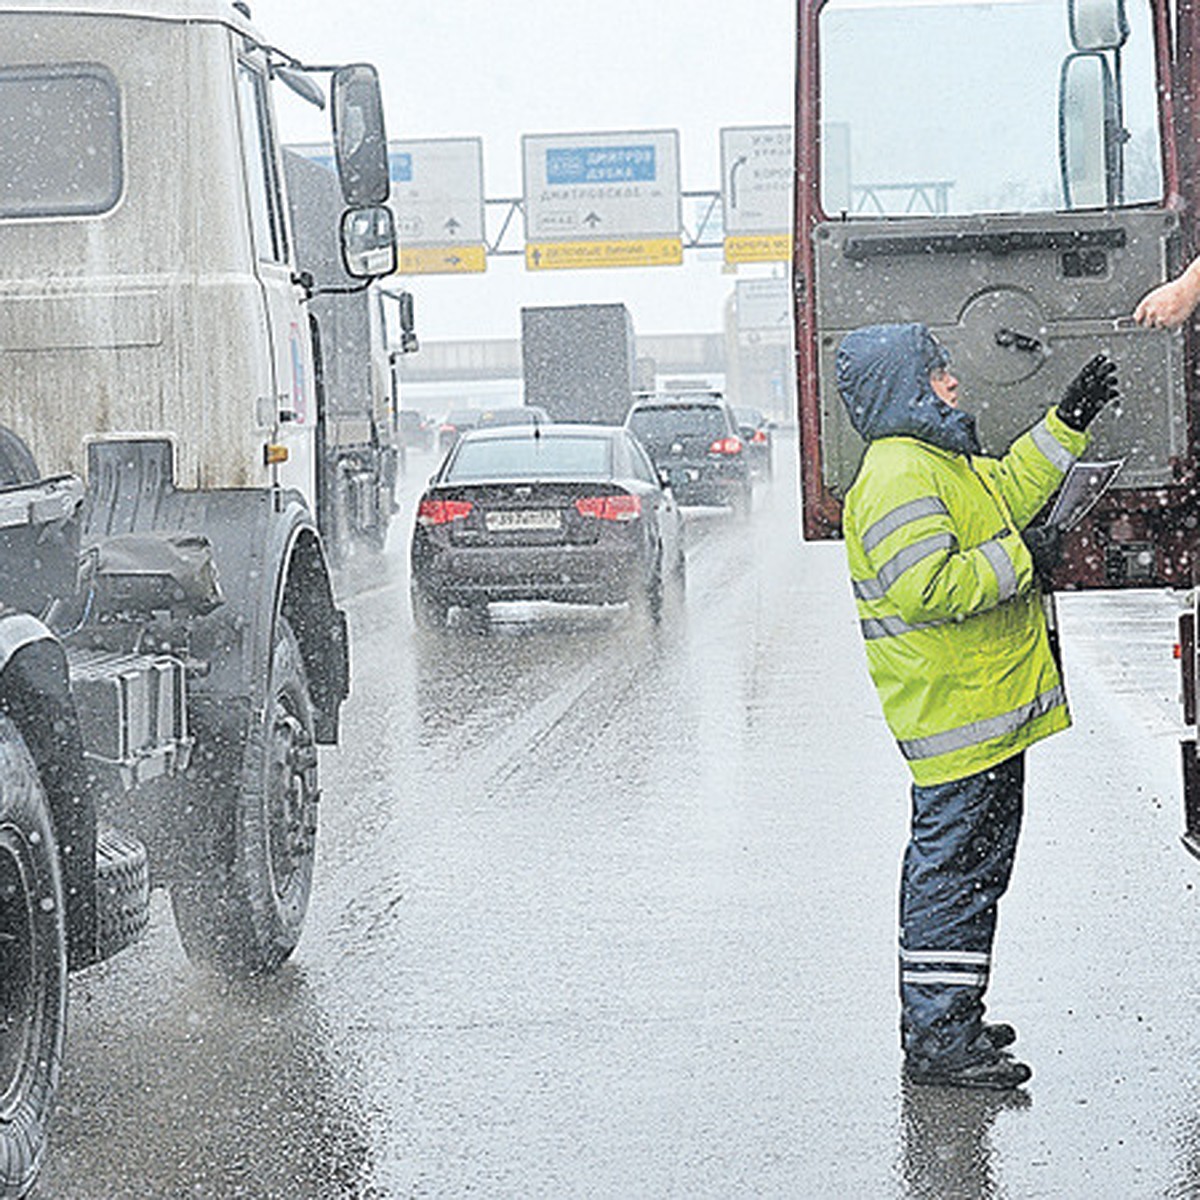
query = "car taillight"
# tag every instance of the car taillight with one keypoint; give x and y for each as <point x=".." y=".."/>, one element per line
<point x="610" y="508"/>
<point x="760" y="437"/>
<point x="448" y="429"/>
<point x="442" y="512"/>
<point x="726" y="445"/>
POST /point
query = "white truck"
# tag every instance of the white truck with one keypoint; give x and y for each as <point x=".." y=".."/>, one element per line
<point x="171" y="654"/>
<point x="579" y="361"/>
<point x="358" y="434"/>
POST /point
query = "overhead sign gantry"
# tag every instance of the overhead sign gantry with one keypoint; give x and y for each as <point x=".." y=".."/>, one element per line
<point x="602" y="200"/>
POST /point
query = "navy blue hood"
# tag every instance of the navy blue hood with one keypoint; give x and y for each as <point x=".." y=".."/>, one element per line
<point x="883" y="377"/>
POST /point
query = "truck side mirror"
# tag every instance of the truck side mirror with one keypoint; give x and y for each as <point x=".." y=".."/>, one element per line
<point x="359" y="137"/>
<point x="369" y="241"/>
<point x="1089" y="132"/>
<point x="408" y="323"/>
<point x="1097" y="24"/>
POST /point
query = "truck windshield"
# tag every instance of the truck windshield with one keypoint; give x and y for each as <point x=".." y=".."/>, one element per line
<point x="60" y="141"/>
<point x="951" y="106"/>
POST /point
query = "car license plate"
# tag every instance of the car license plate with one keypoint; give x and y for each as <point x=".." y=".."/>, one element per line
<point x="506" y="520"/>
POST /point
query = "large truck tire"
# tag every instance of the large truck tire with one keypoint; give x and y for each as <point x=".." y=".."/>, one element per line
<point x="122" y="892"/>
<point x="245" y="918"/>
<point x="33" y="966"/>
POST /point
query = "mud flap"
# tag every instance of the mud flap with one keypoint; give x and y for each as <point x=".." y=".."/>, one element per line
<point x="1191" y="797"/>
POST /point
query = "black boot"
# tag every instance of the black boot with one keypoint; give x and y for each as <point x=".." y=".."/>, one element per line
<point x="997" y="1072"/>
<point x="999" y="1034"/>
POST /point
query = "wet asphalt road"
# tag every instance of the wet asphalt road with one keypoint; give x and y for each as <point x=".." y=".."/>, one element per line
<point x="605" y="911"/>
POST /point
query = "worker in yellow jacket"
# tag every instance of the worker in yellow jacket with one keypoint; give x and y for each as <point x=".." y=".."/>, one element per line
<point x="946" y="575"/>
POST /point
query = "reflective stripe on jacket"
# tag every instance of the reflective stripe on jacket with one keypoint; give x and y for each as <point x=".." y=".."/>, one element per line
<point x="955" y="631"/>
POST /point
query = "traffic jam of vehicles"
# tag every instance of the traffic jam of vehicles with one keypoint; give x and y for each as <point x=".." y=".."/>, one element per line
<point x="172" y="654"/>
<point x="209" y="472"/>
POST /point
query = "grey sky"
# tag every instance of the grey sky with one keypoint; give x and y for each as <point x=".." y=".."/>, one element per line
<point x="468" y="68"/>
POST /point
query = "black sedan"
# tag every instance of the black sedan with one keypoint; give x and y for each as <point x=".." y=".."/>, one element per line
<point x="693" y="438"/>
<point x="567" y="513"/>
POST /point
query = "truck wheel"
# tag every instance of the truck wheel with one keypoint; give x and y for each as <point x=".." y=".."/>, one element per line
<point x="245" y="919"/>
<point x="33" y="966"/>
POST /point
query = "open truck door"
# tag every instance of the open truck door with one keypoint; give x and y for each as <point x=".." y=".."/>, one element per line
<point x="1006" y="174"/>
<point x="1016" y="175"/>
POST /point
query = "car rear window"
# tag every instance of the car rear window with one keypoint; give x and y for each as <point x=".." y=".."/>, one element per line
<point x="531" y="458"/>
<point x="657" y="424"/>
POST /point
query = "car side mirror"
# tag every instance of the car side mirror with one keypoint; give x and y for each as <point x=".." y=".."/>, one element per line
<point x="664" y="477"/>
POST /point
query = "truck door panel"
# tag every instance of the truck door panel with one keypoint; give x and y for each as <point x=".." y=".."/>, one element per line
<point x="286" y="326"/>
<point x="1021" y="302"/>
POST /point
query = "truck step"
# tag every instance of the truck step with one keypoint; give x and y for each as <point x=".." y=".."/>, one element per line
<point x="122" y="892"/>
<point x="132" y="712"/>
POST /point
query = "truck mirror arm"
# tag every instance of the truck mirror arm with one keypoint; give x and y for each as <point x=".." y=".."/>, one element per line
<point x="299" y="83"/>
<point x="339" y="291"/>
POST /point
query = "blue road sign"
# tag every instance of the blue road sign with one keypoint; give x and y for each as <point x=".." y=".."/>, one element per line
<point x="401" y="166"/>
<point x="601" y="164"/>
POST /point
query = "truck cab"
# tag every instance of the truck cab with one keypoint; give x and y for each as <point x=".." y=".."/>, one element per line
<point x="149" y="256"/>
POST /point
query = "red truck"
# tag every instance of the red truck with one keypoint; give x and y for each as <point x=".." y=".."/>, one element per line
<point x="1016" y="176"/>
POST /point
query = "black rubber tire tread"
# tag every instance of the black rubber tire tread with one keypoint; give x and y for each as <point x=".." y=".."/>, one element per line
<point x="428" y="613"/>
<point x="122" y="892"/>
<point x="743" y="504"/>
<point x="26" y="827"/>
<point x="234" y="919"/>
<point x="655" y="592"/>
<point x="679" y="577"/>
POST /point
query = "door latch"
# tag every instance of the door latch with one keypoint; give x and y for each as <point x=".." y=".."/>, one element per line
<point x="1011" y="339"/>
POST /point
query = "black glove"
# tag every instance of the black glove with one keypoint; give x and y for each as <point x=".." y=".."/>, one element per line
<point x="1089" y="392"/>
<point x="1044" y="543"/>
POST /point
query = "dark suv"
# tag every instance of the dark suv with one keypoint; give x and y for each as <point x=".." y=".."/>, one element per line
<point x="694" y="441"/>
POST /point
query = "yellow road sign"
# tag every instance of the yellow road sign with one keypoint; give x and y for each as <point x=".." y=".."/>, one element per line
<point x="442" y="260"/>
<point x="758" y="247"/>
<point x="641" y="252"/>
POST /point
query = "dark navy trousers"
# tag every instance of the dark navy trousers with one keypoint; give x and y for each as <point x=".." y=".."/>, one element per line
<point x="956" y="868"/>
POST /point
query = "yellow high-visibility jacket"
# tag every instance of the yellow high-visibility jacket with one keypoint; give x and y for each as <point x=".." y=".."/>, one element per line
<point x="950" y="609"/>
